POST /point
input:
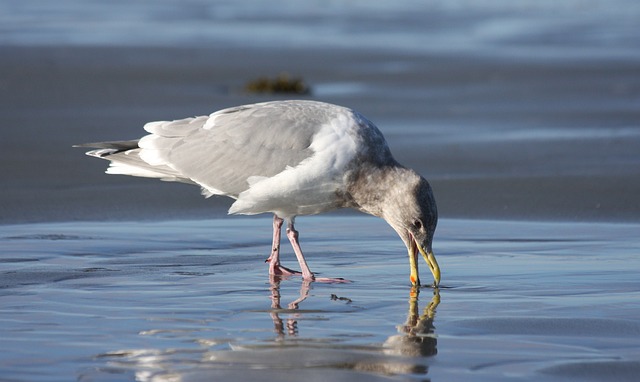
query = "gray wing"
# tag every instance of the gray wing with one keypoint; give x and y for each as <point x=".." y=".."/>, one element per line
<point x="223" y="151"/>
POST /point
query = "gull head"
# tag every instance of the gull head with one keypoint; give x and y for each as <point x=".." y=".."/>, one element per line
<point x="410" y="208"/>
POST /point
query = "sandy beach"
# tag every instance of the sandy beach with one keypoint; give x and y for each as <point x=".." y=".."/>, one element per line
<point x="524" y="116"/>
<point x="532" y="140"/>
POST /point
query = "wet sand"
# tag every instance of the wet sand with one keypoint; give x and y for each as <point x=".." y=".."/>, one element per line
<point x="531" y="140"/>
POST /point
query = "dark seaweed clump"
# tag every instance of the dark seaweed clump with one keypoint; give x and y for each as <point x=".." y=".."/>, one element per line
<point x="282" y="84"/>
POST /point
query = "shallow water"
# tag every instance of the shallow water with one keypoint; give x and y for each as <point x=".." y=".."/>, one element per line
<point x="526" y="28"/>
<point x="191" y="301"/>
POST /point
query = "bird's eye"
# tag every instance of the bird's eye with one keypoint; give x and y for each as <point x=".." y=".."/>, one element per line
<point x="417" y="224"/>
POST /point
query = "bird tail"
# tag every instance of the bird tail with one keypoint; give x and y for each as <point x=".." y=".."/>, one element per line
<point x="125" y="160"/>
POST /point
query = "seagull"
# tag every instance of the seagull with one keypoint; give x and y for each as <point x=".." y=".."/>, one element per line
<point x="288" y="158"/>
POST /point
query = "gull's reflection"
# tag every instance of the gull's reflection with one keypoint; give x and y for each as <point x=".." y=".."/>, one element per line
<point x="417" y="336"/>
<point x="404" y="353"/>
<point x="276" y="308"/>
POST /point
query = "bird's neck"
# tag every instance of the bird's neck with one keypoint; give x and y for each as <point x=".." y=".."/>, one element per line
<point x="371" y="187"/>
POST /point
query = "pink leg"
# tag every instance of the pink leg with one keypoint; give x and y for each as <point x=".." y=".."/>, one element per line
<point x="292" y="234"/>
<point x="275" y="247"/>
<point x="274" y="259"/>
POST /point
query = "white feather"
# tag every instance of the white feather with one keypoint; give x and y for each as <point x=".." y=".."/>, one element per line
<point x="117" y="168"/>
<point x="310" y="187"/>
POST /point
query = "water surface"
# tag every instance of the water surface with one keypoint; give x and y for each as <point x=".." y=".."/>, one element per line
<point x="191" y="301"/>
<point x="533" y="29"/>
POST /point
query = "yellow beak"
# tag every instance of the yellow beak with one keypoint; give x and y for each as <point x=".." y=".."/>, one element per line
<point x="428" y="256"/>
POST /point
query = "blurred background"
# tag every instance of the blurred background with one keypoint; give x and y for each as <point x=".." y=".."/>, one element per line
<point x="512" y="109"/>
<point x="523" y="28"/>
